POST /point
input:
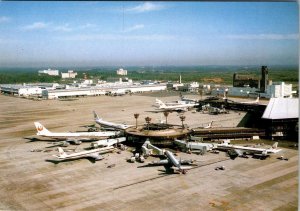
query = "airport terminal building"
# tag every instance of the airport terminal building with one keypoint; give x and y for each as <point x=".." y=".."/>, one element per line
<point x="56" y="91"/>
<point x="101" y="90"/>
<point x="281" y="118"/>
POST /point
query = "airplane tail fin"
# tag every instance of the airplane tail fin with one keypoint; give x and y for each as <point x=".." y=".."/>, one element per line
<point x="160" y="103"/>
<point x="41" y="130"/>
<point x="96" y="115"/>
<point x="181" y="96"/>
<point x="225" y="97"/>
<point x="61" y="152"/>
<point x="275" y="145"/>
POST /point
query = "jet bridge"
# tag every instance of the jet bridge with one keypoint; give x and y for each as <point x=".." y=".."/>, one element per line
<point x="149" y="149"/>
<point x="202" y="147"/>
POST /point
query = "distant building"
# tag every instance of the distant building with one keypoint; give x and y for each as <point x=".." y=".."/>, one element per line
<point x="21" y="90"/>
<point x="69" y="74"/>
<point x="101" y="89"/>
<point x="253" y="81"/>
<point x="241" y="91"/>
<point x="194" y="86"/>
<point x="245" y="81"/>
<point x="121" y="71"/>
<point x="175" y="86"/>
<point x="278" y="89"/>
<point x="49" y="72"/>
<point x="249" y="86"/>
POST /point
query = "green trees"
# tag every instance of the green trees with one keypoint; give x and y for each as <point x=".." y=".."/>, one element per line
<point x="202" y="74"/>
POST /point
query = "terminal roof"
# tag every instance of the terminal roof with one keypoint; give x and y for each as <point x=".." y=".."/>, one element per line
<point x="282" y="108"/>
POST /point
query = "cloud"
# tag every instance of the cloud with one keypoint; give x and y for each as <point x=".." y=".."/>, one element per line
<point x="87" y="25"/>
<point x="94" y="37"/>
<point x="264" y="36"/>
<point x="53" y="27"/>
<point x="4" y="19"/>
<point x="36" y="26"/>
<point x="63" y="28"/>
<point x="145" y="7"/>
<point x="135" y="27"/>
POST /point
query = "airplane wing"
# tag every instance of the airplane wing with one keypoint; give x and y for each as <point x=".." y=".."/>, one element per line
<point x="234" y="153"/>
<point x="158" y="163"/>
<point x="186" y="162"/>
<point x="95" y="156"/>
<point x="181" y="167"/>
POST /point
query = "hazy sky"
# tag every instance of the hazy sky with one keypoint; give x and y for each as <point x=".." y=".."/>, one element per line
<point x="148" y="33"/>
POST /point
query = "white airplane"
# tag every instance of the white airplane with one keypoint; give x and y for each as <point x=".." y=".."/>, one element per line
<point x="208" y="126"/>
<point x="170" y="163"/>
<point x="187" y="100"/>
<point x="173" y="163"/>
<point x="175" y="107"/>
<point x="118" y="92"/>
<point x="159" y="102"/>
<point x="251" y="102"/>
<point x="241" y="150"/>
<point x="75" y="138"/>
<point x="110" y="124"/>
<point x="94" y="154"/>
<point x="183" y="101"/>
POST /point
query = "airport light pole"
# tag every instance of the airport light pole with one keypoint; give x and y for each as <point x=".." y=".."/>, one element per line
<point x="166" y="114"/>
<point x="136" y="116"/>
<point x="148" y="120"/>
<point x="182" y="118"/>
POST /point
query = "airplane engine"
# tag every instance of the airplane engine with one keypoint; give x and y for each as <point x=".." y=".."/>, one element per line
<point x="65" y="144"/>
<point x="183" y="171"/>
<point x="94" y="145"/>
<point x="76" y="142"/>
<point x="99" y="158"/>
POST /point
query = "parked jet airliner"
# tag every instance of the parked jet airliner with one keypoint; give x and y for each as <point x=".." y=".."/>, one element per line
<point x="174" y="107"/>
<point x="73" y="137"/>
<point x="110" y="124"/>
<point x="94" y="154"/>
<point x="170" y="163"/>
<point x="251" y="102"/>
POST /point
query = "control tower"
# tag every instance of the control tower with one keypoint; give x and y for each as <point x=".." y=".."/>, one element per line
<point x="264" y="78"/>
